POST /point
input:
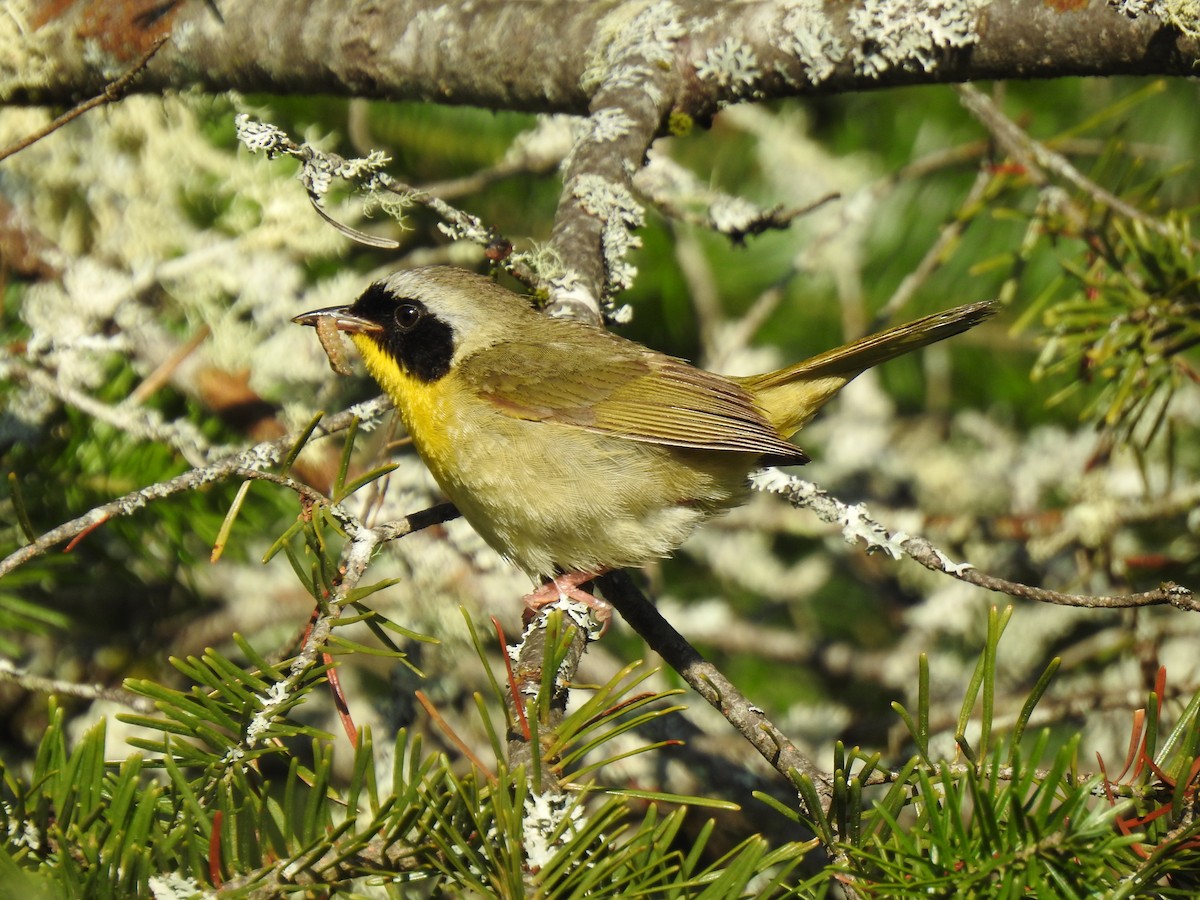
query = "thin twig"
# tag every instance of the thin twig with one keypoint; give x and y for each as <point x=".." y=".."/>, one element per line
<point x="320" y="167"/>
<point x="1168" y="593"/>
<point x="356" y="556"/>
<point x="1037" y="158"/>
<point x="720" y="338"/>
<point x="857" y="525"/>
<point x="538" y="151"/>
<point x="163" y="372"/>
<point x="425" y="518"/>
<point x="680" y="195"/>
<point x="237" y="465"/>
<point x="111" y="94"/>
<point x="137" y="421"/>
<point x="27" y="681"/>
<point x="935" y="256"/>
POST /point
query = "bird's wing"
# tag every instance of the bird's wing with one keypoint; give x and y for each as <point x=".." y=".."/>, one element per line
<point x="624" y="390"/>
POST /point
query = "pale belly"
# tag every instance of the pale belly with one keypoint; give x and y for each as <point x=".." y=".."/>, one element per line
<point x="554" y="498"/>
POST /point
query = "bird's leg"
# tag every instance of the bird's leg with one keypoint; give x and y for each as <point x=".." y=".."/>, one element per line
<point x="567" y="586"/>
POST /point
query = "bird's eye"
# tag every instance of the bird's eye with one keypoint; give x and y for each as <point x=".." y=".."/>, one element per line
<point x="408" y="314"/>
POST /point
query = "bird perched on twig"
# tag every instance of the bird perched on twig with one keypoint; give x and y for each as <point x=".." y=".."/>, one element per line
<point x="571" y="450"/>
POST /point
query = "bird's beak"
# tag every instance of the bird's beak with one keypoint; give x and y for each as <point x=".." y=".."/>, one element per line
<point x="343" y="319"/>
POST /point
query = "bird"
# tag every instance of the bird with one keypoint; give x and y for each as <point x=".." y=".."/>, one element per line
<point x="571" y="450"/>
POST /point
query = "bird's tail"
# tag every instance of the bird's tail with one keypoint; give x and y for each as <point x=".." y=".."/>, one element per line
<point x="791" y="396"/>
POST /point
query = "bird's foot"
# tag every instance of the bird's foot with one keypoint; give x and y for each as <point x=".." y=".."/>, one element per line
<point x="567" y="587"/>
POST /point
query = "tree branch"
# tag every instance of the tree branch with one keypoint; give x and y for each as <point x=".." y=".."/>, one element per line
<point x="721" y="53"/>
<point x="709" y="683"/>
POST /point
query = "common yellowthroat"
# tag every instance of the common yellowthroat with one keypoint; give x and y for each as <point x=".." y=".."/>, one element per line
<point x="571" y="450"/>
